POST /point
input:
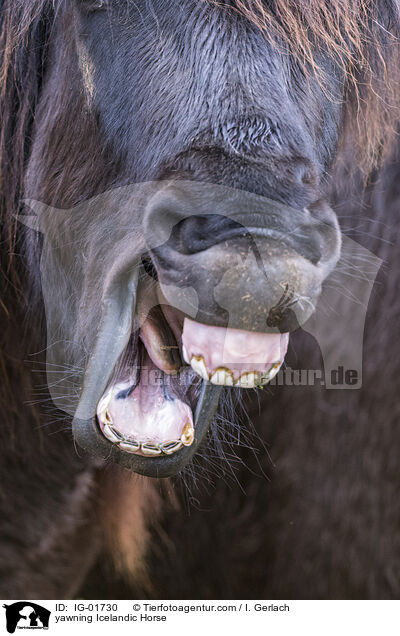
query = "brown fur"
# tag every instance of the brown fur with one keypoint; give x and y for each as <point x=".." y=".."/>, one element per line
<point x="126" y="526"/>
<point x="355" y="36"/>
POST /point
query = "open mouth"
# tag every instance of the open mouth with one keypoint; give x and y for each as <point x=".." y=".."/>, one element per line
<point x="163" y="397"/>
<point x="179" y="307"/>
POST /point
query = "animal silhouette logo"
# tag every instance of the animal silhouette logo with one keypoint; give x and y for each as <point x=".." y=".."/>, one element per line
<point x="26" y="615"/>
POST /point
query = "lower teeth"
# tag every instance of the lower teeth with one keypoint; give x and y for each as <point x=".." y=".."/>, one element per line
<point x="130" y="447"/>
<point x="171" y="447"/>
<point x="151" y="450"/>
<point x="147" y="448"/>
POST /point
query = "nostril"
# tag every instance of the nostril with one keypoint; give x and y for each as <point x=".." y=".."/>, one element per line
<point x="198" y="233"/>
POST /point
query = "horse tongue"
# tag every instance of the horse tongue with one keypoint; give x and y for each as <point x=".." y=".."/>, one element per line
<point x="233" y="357"/>
<point x="142" y="418"/>
<point x="160" y="342"/>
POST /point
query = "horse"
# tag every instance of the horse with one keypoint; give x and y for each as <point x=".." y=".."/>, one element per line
<point x="180" y="183"/>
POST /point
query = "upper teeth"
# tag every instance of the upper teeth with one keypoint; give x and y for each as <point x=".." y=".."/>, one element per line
<point x="248" y="380"/>
<point x="185" y="355"/>
<point x="224" y="376"/>
<point x="198" y="365"/>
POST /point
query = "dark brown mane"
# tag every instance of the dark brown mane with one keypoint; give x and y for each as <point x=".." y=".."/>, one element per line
<point x="24" y="29"/>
